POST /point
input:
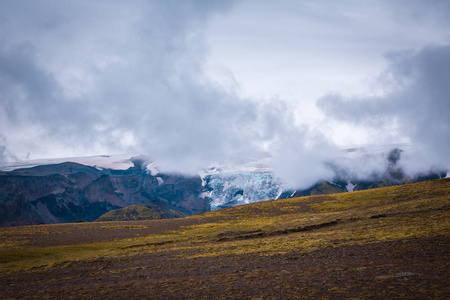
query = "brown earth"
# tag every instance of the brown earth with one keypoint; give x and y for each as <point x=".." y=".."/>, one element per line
<point x="391" y="243"/>
<point x="403" y="269"/>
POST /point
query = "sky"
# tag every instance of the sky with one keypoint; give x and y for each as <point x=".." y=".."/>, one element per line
<point x="191" y="83"/>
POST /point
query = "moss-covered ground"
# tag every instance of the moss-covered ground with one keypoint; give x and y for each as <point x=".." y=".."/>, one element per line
<point x="382" y="243"/>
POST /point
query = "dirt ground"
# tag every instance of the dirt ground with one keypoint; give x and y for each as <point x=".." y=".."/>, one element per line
<point x="391" y="243"/>
<point x="402" y="269"/>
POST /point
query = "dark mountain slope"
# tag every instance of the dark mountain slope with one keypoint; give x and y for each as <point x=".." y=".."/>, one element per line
<point x="70" y="192"/>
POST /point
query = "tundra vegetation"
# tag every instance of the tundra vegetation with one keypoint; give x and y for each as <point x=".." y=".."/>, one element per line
<point x="388" y="242"/>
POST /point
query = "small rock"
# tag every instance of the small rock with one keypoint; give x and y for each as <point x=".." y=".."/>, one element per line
<point x="285" y="272"/>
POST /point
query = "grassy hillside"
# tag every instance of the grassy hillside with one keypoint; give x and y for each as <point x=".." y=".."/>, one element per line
<point x="139" y="212"/>
<point x="383" y="243"/>
<point x="132" y="213"/>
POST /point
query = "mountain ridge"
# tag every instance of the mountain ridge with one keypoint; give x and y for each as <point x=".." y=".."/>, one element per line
<point x="70" y="191"/>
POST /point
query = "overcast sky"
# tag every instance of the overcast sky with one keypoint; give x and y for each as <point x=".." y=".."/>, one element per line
<point x="192" y="82"/>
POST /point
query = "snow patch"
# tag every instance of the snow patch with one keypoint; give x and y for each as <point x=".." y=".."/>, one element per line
<point x="280" y="191"/>
<point x="152" y="169"/>
<point x="350" y="187"/>
<point x="226" y="186"/>
<point x="160" y="180"/>
<point x="204" y="195"/>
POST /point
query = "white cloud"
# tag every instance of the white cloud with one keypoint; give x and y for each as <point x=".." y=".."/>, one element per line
<point x="83" y="78"/>
<point x="417" y="105"/>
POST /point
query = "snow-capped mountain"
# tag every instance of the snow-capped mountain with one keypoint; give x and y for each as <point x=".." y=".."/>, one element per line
<point x="67" y="190"/>
<point x="238" y="182"/>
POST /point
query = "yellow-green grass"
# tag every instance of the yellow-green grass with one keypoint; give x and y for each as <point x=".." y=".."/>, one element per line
<point x="134" y="212"/>
<point x="264" y="228"/>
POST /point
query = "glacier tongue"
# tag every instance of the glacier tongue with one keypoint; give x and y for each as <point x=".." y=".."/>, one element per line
<point x="230" y="189"/>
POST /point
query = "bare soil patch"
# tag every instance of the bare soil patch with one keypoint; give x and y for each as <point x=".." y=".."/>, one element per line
<point x="403" y="269"/>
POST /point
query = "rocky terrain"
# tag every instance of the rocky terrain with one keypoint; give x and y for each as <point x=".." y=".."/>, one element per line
<point x="71" y="192"/>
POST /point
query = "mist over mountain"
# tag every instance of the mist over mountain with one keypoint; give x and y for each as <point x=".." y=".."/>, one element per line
<point x="415" y="105"/>
<point x="56" y="192"/>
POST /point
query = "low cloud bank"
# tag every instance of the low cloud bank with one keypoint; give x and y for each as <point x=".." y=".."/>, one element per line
<point x="416" y="106"/>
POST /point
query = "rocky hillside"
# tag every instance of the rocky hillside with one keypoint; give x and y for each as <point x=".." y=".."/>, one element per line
<point x="71" y="192"/>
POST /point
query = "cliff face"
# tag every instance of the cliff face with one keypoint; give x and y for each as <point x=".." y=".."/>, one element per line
<point x="71" y="192"/>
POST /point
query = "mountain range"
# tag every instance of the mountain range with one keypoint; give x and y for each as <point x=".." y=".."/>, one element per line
<point x="70" y="191"/>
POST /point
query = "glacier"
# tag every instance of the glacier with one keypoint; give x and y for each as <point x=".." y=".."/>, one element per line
<point x="235" y="188"/>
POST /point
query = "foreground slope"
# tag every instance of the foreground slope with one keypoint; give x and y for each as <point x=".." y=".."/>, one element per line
<point x="382" y="243"/>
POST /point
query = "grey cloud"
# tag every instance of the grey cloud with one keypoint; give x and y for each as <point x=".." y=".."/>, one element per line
<point x="299" y="152"/>
<point x="93" y="73"/>
<point x="117" y="76"/>
<point x="5" y="155"/>
<point x="417" y="105"/>
<point x="129" y="78"/>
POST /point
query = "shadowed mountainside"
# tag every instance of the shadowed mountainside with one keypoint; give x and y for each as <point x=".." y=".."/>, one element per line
<point x="71" y="192"/>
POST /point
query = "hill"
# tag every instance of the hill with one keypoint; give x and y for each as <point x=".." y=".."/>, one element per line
<point x="382" y="243"/>
<point x="138" y="212"/>
<point x="130" y="213"/>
